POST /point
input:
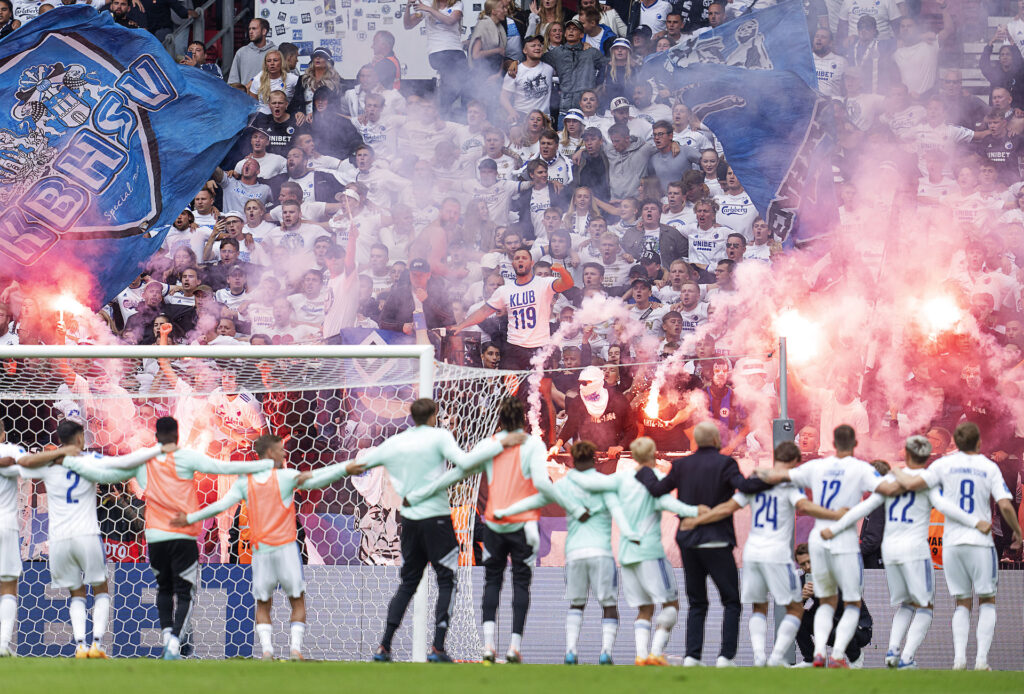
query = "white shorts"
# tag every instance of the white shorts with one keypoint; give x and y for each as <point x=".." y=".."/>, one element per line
<point x="10" y="555"/>
<point x="77" y="561"/>
<point x="912" y="581"/>
<point x="598" y="573"/>
<point x="779" y="579"/>
<point x="281" y="565"/>
<point x="649" y="582"/>
<point x="832" y="572"/>
<point x="970" y="569"/>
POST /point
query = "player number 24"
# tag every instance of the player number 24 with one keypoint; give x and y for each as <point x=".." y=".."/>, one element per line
<point x="768" y="508"/>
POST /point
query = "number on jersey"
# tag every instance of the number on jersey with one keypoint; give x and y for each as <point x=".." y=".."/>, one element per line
<point x="967" y="496"/>
<point x="524" y="318"/>
<point x="767" y="511"/>
<point x="829" y="490"/>
<point x="75" y="479"/>
<point x="901" y="517"/>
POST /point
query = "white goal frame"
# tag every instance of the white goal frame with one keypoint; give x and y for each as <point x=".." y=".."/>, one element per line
<point x="424" y="354"/>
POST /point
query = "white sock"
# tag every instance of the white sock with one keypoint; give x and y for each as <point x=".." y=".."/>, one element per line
<point x="489" y="628"/>
<point x="573" y="622"/>
<point x="666" y="620"/>
<point x="900" y="624"/>
<point x="8" y="617"/>
<point x="845" y="630"/>
<point x="642" y="637"/>
<point x="515" y="643"/>
<point x="822" y="627"/>
<point x="961" y="629"/>
<point x="77" y="610"/>
<point x="986" y="630"/>
<point x="609" y="629"/>
<point x="297" y="632"/>
<point x="265" y="634"/>
<point x="100" y="617"/>
<point x="165" y="636"/>
<point x="758" y="626"/>
<point x="174" y="645"/>
<point x="918" y="629"/>
<point x="787" y="634"/>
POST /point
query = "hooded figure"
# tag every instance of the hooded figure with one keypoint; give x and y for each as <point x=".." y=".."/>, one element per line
<point x="600" y="415"/>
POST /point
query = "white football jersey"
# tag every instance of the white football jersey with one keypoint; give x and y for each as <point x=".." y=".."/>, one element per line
<point x="695" y="318"/>
<point x="907" y="518"/>
<point x="772" y="514"/>
<point x="969" y="481"/>
<point x="238" y="412"/>
<point x="836" y="483"/>
<point x="738" y="213"/>
<point x="529" y="310"/>
<point x="9" y="487"/>
<point x="71" y="500"/>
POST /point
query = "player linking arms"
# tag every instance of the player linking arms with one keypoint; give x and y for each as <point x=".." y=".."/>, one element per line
<point x="905" y="553"/>
<point x="277" y="558"/>
<point x="588" y="552"/>
<point x="167" y="480"/>
<point x="77" y="559"/>
<point x="647" y="577"/>
<point x="969" y="556"/>
<point x="767" y="563"/>
<point x="415" y="458"/>
<point x="515" y="473"/>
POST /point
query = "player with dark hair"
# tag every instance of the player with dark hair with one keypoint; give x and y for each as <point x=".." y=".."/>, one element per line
<point x="168" y="482"/>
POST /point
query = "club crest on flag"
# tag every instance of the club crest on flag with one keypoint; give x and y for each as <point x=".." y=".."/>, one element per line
<point x="76" y="146"/>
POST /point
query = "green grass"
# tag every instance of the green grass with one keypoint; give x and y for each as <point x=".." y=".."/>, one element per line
<point x="43" y="676"/>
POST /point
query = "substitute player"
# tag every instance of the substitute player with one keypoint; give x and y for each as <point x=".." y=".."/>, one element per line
<point x="905" y="551"/>
<point x="589" y="562"/>
<point x="767" y="564"/>
<point x="167" y="480"/>
<point x="514" y="474"/>
<point x="969" y="557"/>
<point x="77" y="559"/>
<point x="277" y="559"/>
<point x="647" y="577"/>
<point x="415" y="458"/>
<point x="835" y="482"/>
<point x="528" y="304"/>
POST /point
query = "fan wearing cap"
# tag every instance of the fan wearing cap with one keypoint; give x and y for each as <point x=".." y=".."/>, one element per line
<point x="271" y="164"/>
<point x="530" y="89"/>
<point x="570" y="138"/>
<point x="399" y="312"/>
<point x="528" y="304"/>
<point x="599" y="414"/>
<point x="643" y="310"/>
<point x="577" y="69"/>
<point x="320" y="73"/>
<point x="621" y="111"/>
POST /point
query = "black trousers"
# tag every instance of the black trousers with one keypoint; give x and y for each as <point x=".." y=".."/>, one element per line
<point x="499" y="550"/>
<point x="718" y="563"/>
<point x="175" y="563"/>
<point x="430" y="540"/>
<point x="517" y="358"/>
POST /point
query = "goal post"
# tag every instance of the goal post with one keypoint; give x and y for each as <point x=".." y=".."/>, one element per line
<point x="331" y="402"/>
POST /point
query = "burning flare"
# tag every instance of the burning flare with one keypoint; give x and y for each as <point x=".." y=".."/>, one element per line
<point x="802" y="335"/>
<point x="940" y="314"/>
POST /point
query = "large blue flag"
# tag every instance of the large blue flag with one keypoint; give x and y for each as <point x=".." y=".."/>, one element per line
<point x="103" y="140"/>
<point x="774" y="38"/>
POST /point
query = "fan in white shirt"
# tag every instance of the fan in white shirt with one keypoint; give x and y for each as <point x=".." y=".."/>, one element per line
<point x="735" y="208"/>
<point x="270" y="164"/>
<point x="828" y="66"/>
<point x="969" y="559"/>
<point x="310" y="305"/>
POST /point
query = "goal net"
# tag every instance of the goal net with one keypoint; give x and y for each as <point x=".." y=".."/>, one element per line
<point x="329" y="403"/>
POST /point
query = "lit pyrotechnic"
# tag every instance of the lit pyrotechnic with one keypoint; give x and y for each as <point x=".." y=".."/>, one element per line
<point x="651" y="408"/>
<point x="67" y="303"/>
<point x="940" y="314"/>
<point x="803" y="336"/>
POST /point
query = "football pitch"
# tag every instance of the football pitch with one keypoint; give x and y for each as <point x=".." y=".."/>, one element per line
<point x="252" y="677"/>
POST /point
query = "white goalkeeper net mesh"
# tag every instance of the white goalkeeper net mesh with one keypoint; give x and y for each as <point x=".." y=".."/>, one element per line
<point x="328" y="410"/>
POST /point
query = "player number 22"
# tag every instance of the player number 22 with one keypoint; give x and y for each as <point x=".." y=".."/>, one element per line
<point x="524" y="318"/>
<point x="75" y="479"/>
<point x="902" y="518"/>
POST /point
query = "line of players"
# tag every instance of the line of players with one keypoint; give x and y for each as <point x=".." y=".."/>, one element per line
<point x="519" y="486"/>
<point x="960" y="485"/>
<point x="166" y="474"/>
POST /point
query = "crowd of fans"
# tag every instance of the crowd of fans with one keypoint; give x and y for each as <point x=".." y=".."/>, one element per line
<point x="365" y="205"/>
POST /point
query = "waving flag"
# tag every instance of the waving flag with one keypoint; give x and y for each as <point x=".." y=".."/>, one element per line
<point x="103" y="139"/>
<point x="774" y="38"/>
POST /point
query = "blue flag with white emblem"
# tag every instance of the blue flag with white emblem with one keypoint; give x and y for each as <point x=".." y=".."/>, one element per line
<point x="778" y="137"/>
<point x="103" y="140"/>
<point x="774" y="38"/>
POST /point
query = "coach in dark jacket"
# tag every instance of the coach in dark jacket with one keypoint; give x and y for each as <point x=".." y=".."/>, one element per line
<point x="710" y="478"/>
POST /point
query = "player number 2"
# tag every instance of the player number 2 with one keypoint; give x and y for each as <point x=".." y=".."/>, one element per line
<point x="768" y="507"/>
<point x="829" y="490"/>
<point x="525" y="318"/>
<point x="967" y="496"/>
<point x="75" y="479"/>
